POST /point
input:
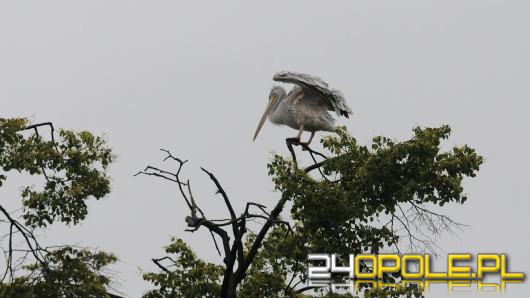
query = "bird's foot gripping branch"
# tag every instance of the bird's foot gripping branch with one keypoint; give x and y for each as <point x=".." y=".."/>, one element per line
<point x="354" y="199"/>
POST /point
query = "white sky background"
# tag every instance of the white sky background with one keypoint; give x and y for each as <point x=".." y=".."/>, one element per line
<point x="194" y="78"/>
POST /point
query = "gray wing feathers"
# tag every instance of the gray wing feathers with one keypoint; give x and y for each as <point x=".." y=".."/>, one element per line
<point x="333" y="97"/>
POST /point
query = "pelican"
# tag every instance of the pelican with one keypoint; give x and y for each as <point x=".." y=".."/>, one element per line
<point x="305" y="107"/>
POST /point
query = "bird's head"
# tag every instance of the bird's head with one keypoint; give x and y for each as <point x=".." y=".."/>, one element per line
<point x="275" y="96"/>
<point x="276" y="93"/>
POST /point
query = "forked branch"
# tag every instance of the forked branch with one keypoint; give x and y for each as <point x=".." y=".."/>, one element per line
<point x="233" y="250"/>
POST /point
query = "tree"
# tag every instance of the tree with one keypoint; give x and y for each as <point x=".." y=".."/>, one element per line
<point x="356" y="199"/>
<point x="363" y="199"/>
<point x="73" y="171"/>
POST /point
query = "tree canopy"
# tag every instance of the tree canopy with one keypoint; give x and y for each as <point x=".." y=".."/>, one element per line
<point x="364" y="199"/>
<point x="353" y="198"/>
<point x="73" y="170"/>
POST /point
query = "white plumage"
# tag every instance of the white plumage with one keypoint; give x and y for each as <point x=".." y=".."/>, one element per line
<point x="306" y="106"/>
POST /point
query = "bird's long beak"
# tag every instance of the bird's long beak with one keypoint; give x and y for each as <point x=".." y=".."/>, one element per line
<point x="271" y="104"/>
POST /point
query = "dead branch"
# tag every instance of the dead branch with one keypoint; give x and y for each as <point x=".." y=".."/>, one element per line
<point x="233" y="250"/>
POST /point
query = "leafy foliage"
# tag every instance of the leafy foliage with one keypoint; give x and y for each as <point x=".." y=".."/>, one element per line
<point x="69" y="272"/>
<point x="189" y="277"/>
<point x="338" y="215"/>
<point x="73" y="170"/>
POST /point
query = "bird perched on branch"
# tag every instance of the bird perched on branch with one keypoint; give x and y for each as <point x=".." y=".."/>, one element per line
<point x="305" y="107"/>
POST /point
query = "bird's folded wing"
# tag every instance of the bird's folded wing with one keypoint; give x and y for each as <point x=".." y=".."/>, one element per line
<point x="333" y="97"/>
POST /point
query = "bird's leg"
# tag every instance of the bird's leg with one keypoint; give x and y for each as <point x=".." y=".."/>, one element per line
<point x="305" y="145"/>
<point x="296" y="140"/>
<point x="299" y="136"/>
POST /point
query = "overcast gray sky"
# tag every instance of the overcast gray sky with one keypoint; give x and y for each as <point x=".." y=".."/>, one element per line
<point x="193" y="77"/>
